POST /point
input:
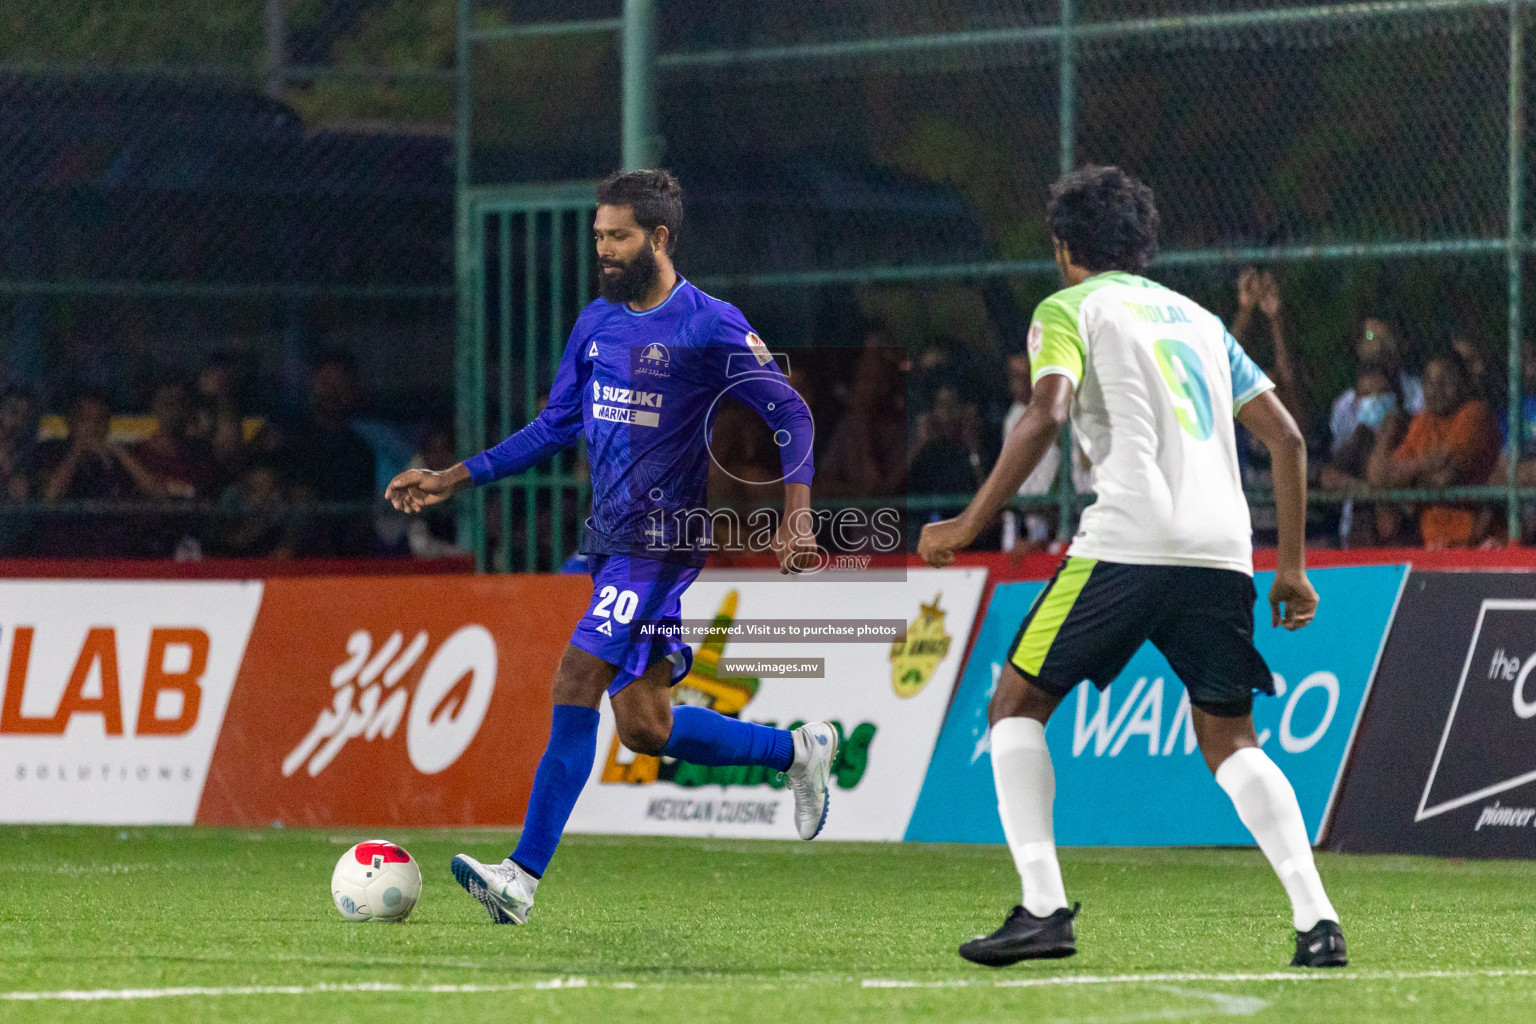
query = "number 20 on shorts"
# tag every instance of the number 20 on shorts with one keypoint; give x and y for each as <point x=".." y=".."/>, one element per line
<point x="624" y="603"/>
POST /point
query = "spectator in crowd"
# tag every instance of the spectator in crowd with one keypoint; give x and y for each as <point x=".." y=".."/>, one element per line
<point x="182" y="465"/>
<point x="18" y="442"/>
<point x="937" y="363"/>
<point x="1454" y="441"/>
<point x="1380" y="412"/>
<point x="217" y="420"/>
<point x="1483" y="379"/>
<point x="1039" y="522"/>
<point x="1527" y="414"/>
<point x="741" y="462"/>
<point x="328" y="461"/>
<point x="946" y="446"/>
<point x="1378" y="345"/>
<point x="184" y="468"/>
<point x="867" y="455"/>
<point x="945" y="457"/>
<point x="18" y="460"/>
<point x="255" y="518"/>
<point x="1259" y="291"/>
<point x="1258" y="297"/>
<point x="1525" y="468"/>
<point x="89" y="466"/>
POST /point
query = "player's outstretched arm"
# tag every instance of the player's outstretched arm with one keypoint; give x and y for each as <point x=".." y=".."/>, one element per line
<point x="1022" y="451"/>
<point x="1292" y="601"/>
<point x="556" y="427"/>
<point x="416" y="489"/>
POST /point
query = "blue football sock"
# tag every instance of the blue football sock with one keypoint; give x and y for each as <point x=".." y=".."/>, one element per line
<point x="563" y="770"/>
<point x="701" y="736"/>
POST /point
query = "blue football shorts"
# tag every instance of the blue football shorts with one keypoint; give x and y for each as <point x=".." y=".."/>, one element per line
<point x="634" y="600"/>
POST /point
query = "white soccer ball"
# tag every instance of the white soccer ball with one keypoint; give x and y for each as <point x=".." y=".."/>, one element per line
<point x="376" y="881"/>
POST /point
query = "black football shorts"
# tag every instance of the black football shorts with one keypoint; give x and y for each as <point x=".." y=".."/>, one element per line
<point x="1093" y="616"/>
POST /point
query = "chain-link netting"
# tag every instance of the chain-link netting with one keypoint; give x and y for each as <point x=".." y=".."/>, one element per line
<point x="145" y="180"/>
<point x="1348" y="130"/>
<point x="546" y="108"/>
<point x="201" y="203"/>
<point x="1333" y="129"/>
<point x="1351" y="131"/>
<point x="858" y="169"/>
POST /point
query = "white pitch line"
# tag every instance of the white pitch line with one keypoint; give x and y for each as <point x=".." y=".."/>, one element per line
<point x="117" y="994"/>
<point x="554" y="984"/>
<point x="1152" y="979"/>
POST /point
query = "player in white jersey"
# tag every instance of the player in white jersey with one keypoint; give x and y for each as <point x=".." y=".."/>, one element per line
<point x="1152" y="383"/>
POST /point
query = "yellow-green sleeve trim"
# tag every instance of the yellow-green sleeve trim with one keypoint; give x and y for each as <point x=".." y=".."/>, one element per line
<point x="1055" y="346"/>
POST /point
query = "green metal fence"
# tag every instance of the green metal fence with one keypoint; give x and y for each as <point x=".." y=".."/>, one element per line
<point x="1355" y="142"/>
<point x="526" y="263"/>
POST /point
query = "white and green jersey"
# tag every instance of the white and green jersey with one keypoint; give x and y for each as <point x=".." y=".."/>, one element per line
<point x="1158" y="380"/>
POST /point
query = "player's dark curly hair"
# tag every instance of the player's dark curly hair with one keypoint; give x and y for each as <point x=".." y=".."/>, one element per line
<point x="655" y="196"/>
<point x="1107" y="219"/>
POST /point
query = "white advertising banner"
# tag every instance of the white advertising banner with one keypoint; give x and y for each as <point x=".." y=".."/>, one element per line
<point x="114" y="694"/>
<point x="888" y="699"/>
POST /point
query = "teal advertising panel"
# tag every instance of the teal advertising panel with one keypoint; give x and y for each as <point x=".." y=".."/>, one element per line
<point x="1128" y="772"/>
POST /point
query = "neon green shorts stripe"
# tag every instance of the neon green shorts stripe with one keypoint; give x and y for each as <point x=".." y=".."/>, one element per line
<point x="1054" y="608"/>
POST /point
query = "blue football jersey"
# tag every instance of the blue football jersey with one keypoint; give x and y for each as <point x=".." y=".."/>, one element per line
<point x="644" y="389"/>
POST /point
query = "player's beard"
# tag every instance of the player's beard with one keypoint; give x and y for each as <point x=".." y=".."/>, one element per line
<point x="633" y="281"/>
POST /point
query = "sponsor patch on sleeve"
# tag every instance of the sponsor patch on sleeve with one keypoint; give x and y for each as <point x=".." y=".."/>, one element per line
<point x="758" y="348"/>
<point x="1036" y="338"/>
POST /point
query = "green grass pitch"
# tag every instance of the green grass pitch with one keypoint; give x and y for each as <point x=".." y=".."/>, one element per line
<point x="695" y="931"/>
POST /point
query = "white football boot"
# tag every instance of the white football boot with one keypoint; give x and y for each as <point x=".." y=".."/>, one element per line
<point x="504" y="890"/>
<point x="810" y="774"/>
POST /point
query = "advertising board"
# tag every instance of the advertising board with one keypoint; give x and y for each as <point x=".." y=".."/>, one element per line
<point x="888" y="699"/>
<point x="368" y="701"/>
<point x="1445" y="763"/>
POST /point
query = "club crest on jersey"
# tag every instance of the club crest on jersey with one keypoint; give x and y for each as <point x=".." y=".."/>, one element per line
<point x="655" y="360"/>
<point x="758" y="348"/>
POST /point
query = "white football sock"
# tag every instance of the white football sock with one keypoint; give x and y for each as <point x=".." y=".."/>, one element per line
<point x="1267" y="805"/>
<point x="1026" y="791"/>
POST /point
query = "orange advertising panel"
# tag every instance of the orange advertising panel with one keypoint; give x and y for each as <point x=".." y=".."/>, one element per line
<point x="392" y="702"/>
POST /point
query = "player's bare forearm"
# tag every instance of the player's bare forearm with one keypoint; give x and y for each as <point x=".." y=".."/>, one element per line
<point x="794" y="543"/>
<point x="417" y="489"/>
<point x="797" y="500"/>
<point x="1290" y="475"/>
<point x="1023" y="449"/>
<point x="1272" y="424"/>
<point x="1292" y="601"/>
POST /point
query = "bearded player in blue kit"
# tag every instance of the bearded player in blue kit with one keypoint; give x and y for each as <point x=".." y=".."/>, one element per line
<point x="640" y="377"/>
